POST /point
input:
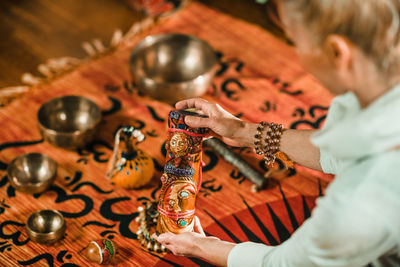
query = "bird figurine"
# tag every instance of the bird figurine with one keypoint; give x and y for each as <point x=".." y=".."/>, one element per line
<point x="129" y="167"/>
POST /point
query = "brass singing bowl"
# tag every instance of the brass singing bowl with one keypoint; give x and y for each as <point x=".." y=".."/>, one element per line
<point x="45" y="226"/>
<point x="32" y="173"/>
<point x="172" y="67"/>
<point x="69" y="121"/>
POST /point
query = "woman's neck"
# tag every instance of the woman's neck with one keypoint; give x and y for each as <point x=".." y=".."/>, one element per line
<point x="371" y="88"/>
<point x="368" y="81"/>
<point x="369" y="95"/>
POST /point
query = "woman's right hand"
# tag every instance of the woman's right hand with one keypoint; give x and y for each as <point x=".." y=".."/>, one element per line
<point x="232" y="130"/>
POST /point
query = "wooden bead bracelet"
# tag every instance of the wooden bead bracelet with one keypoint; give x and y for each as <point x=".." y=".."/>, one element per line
<point x="267" y="140"/>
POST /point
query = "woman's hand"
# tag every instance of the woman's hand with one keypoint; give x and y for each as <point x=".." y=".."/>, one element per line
<point x="233" y="131"/>
<point x="196" y="244"/>
<point x="183" y="244"/>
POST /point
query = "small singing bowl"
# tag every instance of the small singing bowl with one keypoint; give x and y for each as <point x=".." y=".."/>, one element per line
<point x="69" y="121"/>
<point x="172" y="67"/>
<point x="45" y="226"/>
<point x="32" y="173"/>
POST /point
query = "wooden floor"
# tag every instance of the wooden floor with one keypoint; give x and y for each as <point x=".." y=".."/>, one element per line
<point x="33" y="31"/>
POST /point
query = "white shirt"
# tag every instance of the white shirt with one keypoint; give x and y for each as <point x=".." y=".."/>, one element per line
<point x="357" y="222"/>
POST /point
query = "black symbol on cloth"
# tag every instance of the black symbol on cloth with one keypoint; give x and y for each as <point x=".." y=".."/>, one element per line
<point x="97" y="149"/>
<point x="107" y="233"/>
<point x="49" y="259"/>
<point x="284" y="87"/>
<point x="115" y="107"/>
<point x="208" y="187"/>
<point x="268" y="106"/>
<point x="3" y="206"/>
<point x="154" y="114"/>
<point x="123" y="219"/>
<point x="62" y="196"/>
<point x="225" y="64"/>
<point x="315" y="122"/>
<point x="14" y="236"/>
<point x="230" y="88"/>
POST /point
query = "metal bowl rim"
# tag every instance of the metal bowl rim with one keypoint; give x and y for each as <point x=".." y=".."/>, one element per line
<point x="157" y="37"/>
<point x="37" y="234"/>
<point x="76" y="132"/>
<point x="12" y="164"/>
<point x="49" y="236"/>
<point x="146" y="79"/>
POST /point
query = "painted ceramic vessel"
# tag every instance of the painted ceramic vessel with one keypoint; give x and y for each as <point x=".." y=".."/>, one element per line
<point x="129" y="167"/>
<point x="100" y="251"/>
<point x="181" y="179"/>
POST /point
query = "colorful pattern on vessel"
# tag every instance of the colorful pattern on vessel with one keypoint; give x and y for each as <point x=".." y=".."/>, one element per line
<point x="129" y="166"/>
<point x="107" y="250"/>
<point x="181" y="179"/>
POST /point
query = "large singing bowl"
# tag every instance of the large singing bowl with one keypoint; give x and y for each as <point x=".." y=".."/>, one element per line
<point x="69" y="121"/>
<point x="172" y="67"/>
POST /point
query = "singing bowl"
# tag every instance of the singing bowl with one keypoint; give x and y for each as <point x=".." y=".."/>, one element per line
<point x="172" y="67"/>
<point x="32" y="173"/>
<point x="45" y="226"/>
<point x="69" y="121"/>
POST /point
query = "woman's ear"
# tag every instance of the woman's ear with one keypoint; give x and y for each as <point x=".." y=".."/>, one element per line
<point x="340" y="52"/>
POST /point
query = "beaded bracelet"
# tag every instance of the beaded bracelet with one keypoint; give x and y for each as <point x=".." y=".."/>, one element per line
<point x="271" y="143"/>
<point x="258" y="136"/>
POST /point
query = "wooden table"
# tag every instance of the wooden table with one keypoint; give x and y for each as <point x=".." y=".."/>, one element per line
<point x="33" y="31"/>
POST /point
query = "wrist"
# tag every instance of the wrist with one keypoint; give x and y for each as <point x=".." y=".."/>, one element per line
<point x="245" y="134"/>
<point x="251" y="131"/>
<point x="200" y="246"/>
<point x="214" y="250"/>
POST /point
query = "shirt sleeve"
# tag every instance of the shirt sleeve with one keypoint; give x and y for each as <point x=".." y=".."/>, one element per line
<point x="341" y="106"/>
<point x="329" y="164"/>
<point x="332" y="237"/>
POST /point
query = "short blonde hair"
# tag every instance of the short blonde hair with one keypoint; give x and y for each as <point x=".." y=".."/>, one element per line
<point x="371" y="25"/>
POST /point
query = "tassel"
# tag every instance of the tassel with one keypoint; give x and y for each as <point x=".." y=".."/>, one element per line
<point x="98" y="44"/>
<point x="89" y="49"/>
<point x="29" y="79"/>
<point x="45" y="70"/>
<point x="116" y="38"/>
<point x="9" y="93"/>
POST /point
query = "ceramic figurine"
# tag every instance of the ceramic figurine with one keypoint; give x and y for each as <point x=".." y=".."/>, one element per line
<point x="100" y="251"/>
<point x="129" y="167"/>
<point x="181" y="179"/>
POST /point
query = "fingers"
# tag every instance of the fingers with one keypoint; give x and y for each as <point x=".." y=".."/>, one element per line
<point x="155" y="236"/>
<point x="191" y="103"/>
<point x="164" y="239"/>
<point x="172" y="243"/>
<point x="196" y="122"/>
<point x="202" y="106"/>
<point x="197" y="226"/>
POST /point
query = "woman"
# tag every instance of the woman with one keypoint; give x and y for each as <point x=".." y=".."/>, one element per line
<point x="352" y="47"/>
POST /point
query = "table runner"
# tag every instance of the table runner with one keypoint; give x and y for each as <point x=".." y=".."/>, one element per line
<point x="259" y="78"/>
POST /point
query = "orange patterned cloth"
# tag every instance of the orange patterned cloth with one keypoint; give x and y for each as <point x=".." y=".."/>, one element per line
<point x="259" y="78"/>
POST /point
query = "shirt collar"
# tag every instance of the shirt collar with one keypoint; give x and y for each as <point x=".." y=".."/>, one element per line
<point x="351" y="132"/>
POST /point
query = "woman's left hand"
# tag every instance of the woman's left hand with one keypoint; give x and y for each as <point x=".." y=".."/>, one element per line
<point x="183" y="244"/>
<point x="197" y="244"/>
